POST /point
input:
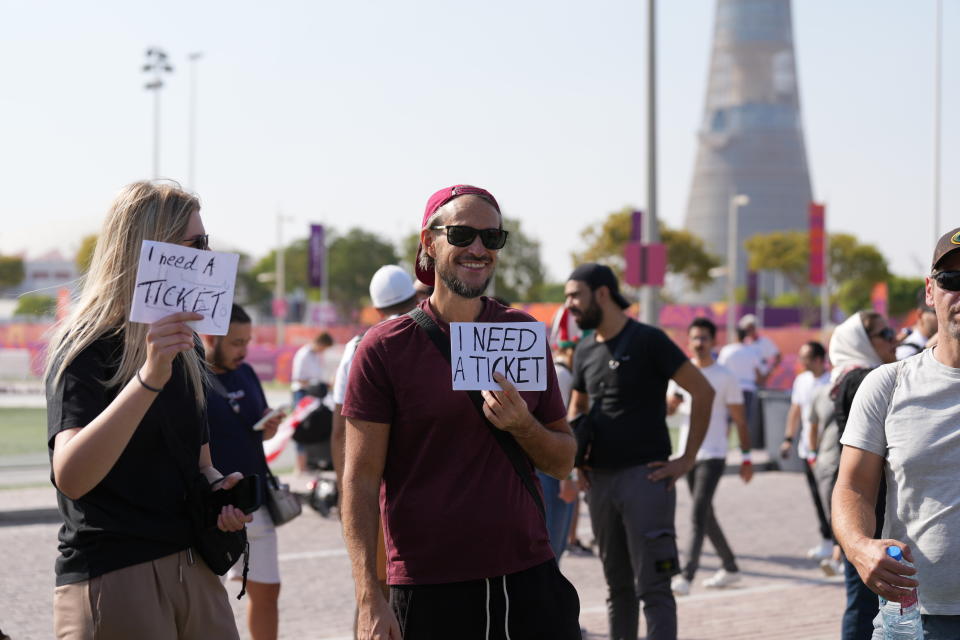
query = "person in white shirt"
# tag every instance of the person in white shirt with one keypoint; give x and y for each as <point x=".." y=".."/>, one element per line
<point x="769" y="351"/>
<point x="746" y="363"/>
<point x="308" y="365"/>
<point x="308" y="370"/>
<point x="813" y="359"/>
<point x="923" y="329"/>
<point x="711" y="459"/>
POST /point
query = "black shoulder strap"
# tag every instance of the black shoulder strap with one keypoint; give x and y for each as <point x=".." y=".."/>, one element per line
<point x="519" y="460"/>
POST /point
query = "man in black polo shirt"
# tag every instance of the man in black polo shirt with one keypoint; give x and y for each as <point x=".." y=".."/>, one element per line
<point x="631" y="477"/>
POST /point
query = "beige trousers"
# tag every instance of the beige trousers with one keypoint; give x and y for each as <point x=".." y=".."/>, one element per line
<point x="174" y="597"/>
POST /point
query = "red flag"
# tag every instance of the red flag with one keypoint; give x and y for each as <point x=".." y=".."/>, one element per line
<point x="817" y="243"/>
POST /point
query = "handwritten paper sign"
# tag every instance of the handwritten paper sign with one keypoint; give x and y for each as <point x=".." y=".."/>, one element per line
<point x="172" y="278"/>
<point x="518" y="350"/>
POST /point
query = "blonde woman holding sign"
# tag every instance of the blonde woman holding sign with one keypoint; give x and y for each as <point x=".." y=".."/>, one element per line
<point x="126" y="417"/>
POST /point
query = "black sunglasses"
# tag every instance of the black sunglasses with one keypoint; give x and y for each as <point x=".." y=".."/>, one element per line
<point x="886" y="333"/>
<point x="948" y="280"/>
<point x="199" y="242"/>
<point x="461" y="236"/>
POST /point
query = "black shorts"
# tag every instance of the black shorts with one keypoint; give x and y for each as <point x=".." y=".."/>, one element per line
<point x="535" y="604"/>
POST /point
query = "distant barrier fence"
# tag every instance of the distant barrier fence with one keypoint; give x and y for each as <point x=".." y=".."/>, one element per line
<point x="23" y="345"/>
<point x="23" y="349"/>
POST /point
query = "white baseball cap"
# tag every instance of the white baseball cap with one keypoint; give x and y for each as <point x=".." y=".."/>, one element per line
<point x="390" y="285"/>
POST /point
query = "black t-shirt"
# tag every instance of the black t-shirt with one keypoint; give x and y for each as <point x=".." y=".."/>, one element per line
<point x="234" y="445"/>
<point x="631" y="424"/>
<point x="137" y="512"/>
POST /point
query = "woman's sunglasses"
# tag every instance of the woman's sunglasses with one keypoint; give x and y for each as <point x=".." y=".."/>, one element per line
<point x="948" y="280"/>
<point x="198" y="242"/>
<point x="886" y="333"/>
<point x="460" y="236"/>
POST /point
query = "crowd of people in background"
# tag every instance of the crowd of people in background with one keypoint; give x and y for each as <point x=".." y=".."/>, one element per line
<point x="457" y="506"/>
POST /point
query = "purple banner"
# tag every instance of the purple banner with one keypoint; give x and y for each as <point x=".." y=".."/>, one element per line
<point x="316" y="249"/>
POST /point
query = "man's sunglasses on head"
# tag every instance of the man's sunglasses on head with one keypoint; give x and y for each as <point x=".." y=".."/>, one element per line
<point x="461" y="236"/>
<point x="948" y="280"/>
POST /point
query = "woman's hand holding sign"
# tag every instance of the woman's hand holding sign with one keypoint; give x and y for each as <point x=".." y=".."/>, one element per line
<point x="507" y="409"/>
<point x="167" y="337"/>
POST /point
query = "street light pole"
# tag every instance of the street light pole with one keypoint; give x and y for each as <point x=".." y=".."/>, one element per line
<point x="157" y="65"/>
<point x="649" y="307"/>
<point x="938" y="55"/>
<point x="736" y="202"/>
<point x="279" y="283"/>
<point x="192" y="142"/>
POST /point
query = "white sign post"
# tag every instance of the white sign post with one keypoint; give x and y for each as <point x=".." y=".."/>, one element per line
<point x="173" y="278"/>
<point x="518" y="350"/>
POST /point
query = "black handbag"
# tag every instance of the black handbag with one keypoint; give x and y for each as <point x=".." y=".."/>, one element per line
<point x="219" y="549"/>
<point x="585" y="425"/>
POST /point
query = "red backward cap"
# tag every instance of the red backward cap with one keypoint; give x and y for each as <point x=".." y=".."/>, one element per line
<point x="436" y="201"/>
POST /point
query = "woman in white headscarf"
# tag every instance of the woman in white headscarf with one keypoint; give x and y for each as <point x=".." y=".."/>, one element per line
<point x="861" y="343"/>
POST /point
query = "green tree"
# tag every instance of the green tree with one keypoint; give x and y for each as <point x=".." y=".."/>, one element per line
<point x="686" y="253"/>
<point x="520" y="275"/>
<point x="905" y="294"/>
<point x="854" y="267"/>
<point x="85" y="253"/>
<point x="36" y="305"/>
<point x="11" y="271"/>
<point x="258" y="282"/>
<point x="353" y="260"/>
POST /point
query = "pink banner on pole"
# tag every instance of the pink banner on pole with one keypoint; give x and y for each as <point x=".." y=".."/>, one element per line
<point x="817" y="243"/>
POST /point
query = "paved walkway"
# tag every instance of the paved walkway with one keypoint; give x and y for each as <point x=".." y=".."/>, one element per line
<point x="770" y="523"/>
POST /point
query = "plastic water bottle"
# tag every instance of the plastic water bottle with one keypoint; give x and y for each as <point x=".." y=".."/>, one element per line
<point x="901" y="620"/>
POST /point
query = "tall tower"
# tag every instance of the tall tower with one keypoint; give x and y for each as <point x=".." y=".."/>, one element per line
<point x="751" y="138"/>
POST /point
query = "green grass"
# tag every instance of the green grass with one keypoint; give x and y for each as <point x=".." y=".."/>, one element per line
<point x="23" y="431"/>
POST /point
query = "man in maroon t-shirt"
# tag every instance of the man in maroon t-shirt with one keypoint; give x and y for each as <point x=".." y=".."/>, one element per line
<point x="464" y="536"/>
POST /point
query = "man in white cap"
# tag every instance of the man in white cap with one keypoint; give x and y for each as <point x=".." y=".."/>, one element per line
<point x="391" y="293"/>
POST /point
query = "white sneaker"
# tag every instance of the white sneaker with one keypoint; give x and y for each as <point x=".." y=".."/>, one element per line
<point x="680" y="586"/>
<point x="831" y="567"/>
<point x="721" y="579"/>
<point x="822" y="551"/>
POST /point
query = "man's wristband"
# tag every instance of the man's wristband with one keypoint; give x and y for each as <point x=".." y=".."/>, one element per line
<point x="788" y="439"/>
<point x="745" y="458"/>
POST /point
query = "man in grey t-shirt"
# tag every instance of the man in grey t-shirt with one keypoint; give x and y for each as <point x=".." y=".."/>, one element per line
<point x="905" y="420"/>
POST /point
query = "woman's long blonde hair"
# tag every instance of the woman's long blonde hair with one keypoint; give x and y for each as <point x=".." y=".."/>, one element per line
<point x="141" y="211"/>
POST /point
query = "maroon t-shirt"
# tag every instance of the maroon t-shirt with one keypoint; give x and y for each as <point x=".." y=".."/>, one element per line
<point x="452" y="505"/>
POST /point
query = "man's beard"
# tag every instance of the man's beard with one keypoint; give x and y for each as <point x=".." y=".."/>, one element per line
<point x="589" y="318"/>
<point x="460" y="287"/>
<point x="220" y="361"/>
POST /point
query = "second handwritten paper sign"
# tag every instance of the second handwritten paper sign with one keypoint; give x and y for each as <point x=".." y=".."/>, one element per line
<point x="518" y="350"/>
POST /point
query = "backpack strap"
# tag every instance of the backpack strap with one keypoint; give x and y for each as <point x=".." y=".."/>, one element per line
<point x="518" y="458"/>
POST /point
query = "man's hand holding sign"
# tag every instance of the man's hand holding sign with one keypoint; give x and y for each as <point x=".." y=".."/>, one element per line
<point x="507" y="410"/>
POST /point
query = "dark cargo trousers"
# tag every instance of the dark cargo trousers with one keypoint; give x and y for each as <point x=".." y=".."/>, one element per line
<point x="632" y="519"/>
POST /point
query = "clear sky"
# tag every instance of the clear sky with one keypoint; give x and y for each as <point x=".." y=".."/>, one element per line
<point x="352" y="113"/>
